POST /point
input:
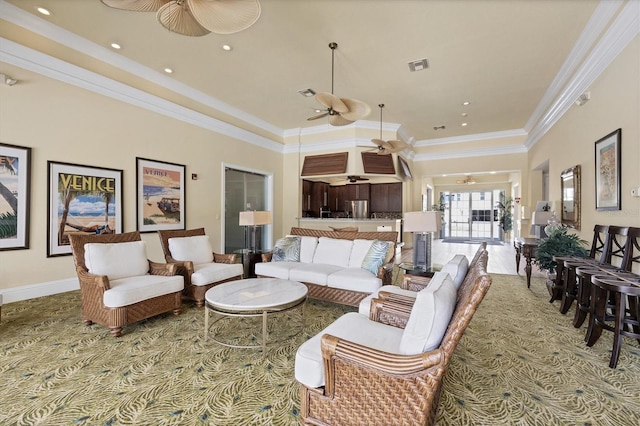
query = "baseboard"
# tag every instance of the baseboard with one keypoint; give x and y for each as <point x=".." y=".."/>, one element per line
<point x="32" y="291"/>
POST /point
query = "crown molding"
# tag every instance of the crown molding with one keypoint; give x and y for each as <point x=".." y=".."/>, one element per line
<point x="483" y="152"/>
<point x="48" y="66"/>
<point x="40" y="26"/>
<point x="471" y="138"/>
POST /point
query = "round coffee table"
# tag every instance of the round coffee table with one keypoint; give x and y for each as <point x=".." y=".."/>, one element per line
<point x="253" y="297"/>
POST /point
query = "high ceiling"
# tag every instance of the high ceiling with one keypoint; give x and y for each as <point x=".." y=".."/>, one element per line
<point x="499" y="55"/>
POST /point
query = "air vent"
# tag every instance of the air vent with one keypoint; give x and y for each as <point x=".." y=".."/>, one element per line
<point x="418" y="65"/>
<point x="326" y="164"/>
<point x="307" y="92"/>
<point x="378" y="164"/>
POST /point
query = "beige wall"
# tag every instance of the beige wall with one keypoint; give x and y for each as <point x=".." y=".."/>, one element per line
<point x="68" y="124"/>
<point x="615" y="103"/>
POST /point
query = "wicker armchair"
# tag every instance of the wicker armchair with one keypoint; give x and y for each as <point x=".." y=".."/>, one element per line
<point x="105" y="300"/>
<point x="200" y="277"/>
<point x="366" y="386"/>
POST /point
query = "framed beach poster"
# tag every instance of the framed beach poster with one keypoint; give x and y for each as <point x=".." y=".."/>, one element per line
<point x="160" y="195"/>
<point x="608" y="172"/>
<point x="82" y="199"/>
<point x="15" y="171"/>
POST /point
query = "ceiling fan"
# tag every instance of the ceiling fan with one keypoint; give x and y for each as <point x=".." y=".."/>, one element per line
<point x="354" y="179"/>
<point x="387" y="147"/>
<point x="341" y="111"/>
<point x="468" y="181"/>
<point x="196" y="17"/>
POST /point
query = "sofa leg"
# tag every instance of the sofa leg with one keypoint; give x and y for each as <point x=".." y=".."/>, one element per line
<point x="177" y="311"/>
<point x="116" y="331"/>
<point x="199" y="303"/>
<point x="87" y="322"/>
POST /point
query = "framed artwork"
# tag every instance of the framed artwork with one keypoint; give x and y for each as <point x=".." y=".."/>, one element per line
<point x="15" y="172"/>
<point x="608" y="172"/>
<point x="160" y="188"/>
<point x="82" y="199"/>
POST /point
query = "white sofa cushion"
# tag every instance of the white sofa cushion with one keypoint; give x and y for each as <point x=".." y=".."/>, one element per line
<point x="358" y="252"/>
<point x="286" y="249"/>
<point x="275" y="269"/>
<point x="309" y="369"/>
<point x="207" y="273"/>
<point x="365" y="304"/>
<point x="196" y="249"/>
<point x="429" y="316"/>
<point x="457" y="267"/>
<point x="332" y="251"/>
<point x="130" y="290"/>
<point x="312" y="273"/>
<point x="116" y="260"/>
<point x="355" y="279"/>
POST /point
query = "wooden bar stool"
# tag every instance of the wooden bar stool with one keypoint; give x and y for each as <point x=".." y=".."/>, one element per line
<point x="583" y="294"/>
<point x="615" y="307"/>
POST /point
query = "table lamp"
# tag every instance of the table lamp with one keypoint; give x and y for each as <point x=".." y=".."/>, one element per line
<point x="253" y="219"/>
<point x="422" y="224"/>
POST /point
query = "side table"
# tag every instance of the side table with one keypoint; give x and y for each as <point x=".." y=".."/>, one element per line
<point x="525" y="247"/>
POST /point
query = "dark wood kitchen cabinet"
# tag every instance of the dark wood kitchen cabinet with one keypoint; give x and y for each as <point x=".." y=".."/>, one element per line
<point x="386" y="197"/>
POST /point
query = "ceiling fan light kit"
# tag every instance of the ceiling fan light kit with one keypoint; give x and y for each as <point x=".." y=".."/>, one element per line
<point x="196" y="18"/>
<point x="341" y="111"/>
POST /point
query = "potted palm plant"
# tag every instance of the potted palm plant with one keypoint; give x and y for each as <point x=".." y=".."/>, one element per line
<point x="558" y="243"/>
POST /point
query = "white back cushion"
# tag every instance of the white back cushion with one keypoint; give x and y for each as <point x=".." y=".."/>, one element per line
<point x="307" y="248"/>
<point x="358" y="252"/>
<point x="331" y="251"/>
<point x="457" y="267"/>
<point x="430" y="316"/>
<point x="116" y="260"/>
<point x="196" y="249"/>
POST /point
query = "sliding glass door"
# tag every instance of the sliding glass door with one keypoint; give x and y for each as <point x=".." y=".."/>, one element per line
<point x="471" y="215"/>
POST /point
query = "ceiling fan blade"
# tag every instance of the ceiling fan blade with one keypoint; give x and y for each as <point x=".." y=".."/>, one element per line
<point x="338" y="120"/>
<point x="332" y="101"/>
<point x="136" y="5"/>
<point x="378" y="142"/>
<point x="396" y="145"/>
<point x="356" y="109"/>
<point x="225" y="16"/>
<point x="177" y="17"/>
<point x="315" y="117"/>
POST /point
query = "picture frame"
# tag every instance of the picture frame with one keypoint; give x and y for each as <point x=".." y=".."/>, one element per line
<point x="160" y="195"/>
<point x="83" y="199"/>
<point x="608" y="171"/>
<point x="15" y="196"/>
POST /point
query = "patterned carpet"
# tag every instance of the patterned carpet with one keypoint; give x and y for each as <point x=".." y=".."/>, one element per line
<point x="520" y="363"/>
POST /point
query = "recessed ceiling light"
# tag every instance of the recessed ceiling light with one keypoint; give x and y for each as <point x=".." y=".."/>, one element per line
<point x="464" y="124"/>
<point x="168" y="70"/>
<point x="43" y="11"/>
<point x="115" y="46"/>
<point x="444" y="175"/>
<point x="226" y="47"/>
<point x="493" y="173"/>
<point x="464" y="114"/>
<point x="465" y="103"/>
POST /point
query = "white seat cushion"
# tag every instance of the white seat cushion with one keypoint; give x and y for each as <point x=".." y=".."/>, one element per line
<point x="275" y="269"/>
<point x="312" y="273"/>
<point x="457" y="267"/>
<point x="429" y="316"/>
<point x="116" y="260"/>
<point x="356" y="279"/>
<point x="365" y="304"/>
<point x="332" y="251"/>
<point x="127" y="291"/>
<point x="196" y="249"/>
<point x="207" y="273"/>
<point x="352" y="326"/>
<point x="358" y="252"/>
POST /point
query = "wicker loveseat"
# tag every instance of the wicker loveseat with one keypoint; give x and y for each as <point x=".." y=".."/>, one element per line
<point x="346" y="285"/>
<point x="364" y="385"/>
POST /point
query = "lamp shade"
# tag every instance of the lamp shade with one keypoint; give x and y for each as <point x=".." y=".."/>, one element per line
<point x="422" y="221"/>
<point x="541" y="218"/>
<point x="253" y="218"/>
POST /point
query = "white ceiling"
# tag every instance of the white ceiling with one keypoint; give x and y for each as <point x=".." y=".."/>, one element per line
<point x="500" y="55"/>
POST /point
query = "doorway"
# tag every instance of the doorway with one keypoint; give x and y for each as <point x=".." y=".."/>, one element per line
<point x="471" y="215"/>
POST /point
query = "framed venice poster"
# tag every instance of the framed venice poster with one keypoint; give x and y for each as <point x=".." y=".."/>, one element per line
<point x="15" y="171"/>
<point x="608" y="172"/>
<point x="82" y="199"/>
<point x="160" y="195"/>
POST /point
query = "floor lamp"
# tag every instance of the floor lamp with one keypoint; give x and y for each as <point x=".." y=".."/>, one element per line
<point x="253" y="219"/>
<point x="422" y="224"/>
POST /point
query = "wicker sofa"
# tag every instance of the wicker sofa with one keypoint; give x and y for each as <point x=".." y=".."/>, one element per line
<point x="363" y="384"/>
<point x="339" y="284"/>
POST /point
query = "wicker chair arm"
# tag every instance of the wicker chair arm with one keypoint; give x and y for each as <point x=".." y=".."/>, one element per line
<point x="85" y="278"/>
<point x="390" y="313"/>
<point x="397" y="298"/>
<point x="266" y="257"/>
<point x="366" y="358"/>
<point x="415" y="283"/>
<point x="224" y="258"/>
<point x="166" y="269"/>
<point x="385" y="273"/>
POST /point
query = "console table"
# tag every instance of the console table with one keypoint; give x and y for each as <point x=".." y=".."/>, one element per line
<point x="525" y="247"/>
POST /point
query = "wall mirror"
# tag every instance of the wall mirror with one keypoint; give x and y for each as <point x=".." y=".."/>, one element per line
<point x="570" y="186"/>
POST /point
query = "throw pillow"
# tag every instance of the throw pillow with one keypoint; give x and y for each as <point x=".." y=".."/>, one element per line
<point x="287" y="249"/>
<point x="374" y="258"/>
<point x="196" y="249"/>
